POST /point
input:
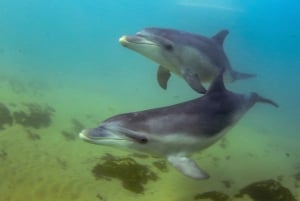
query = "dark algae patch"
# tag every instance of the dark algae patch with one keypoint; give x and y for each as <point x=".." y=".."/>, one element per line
<point x="227" y="183"/>
<point x="5" y="116"/>
<point x="268" y="190"/>
<point x="161" y="165"/>
<point x="36" y="116"/>
<point x="213" y="195"/>
<point x="132" y="174"/>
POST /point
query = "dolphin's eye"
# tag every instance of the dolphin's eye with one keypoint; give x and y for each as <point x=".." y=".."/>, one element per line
<point x="143" y="140"/>
<point x="168" y="47"/>
<point x="139" y="139"/>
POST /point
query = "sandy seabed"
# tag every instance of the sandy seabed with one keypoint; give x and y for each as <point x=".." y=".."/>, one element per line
<point x="45" y="165"/>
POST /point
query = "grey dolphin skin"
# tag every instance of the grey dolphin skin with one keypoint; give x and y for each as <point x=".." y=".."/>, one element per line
<point x="194" y="57"/>
<point x="177" y="131"/>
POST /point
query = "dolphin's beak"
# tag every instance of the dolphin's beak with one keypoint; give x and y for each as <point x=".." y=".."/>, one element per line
<point x="127" y="40"/>
<point x="103" y="135"/>
<point x="85" y="135"/>
<point x="123" y="40"/>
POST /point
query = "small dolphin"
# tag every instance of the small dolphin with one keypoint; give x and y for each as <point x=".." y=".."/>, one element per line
<point x="177" y="131"/>
<point x="194" y="57"/>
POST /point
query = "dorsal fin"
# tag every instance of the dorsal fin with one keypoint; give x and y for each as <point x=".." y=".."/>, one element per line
<point x="220" y="36"/>
<point x="218" y="83"/>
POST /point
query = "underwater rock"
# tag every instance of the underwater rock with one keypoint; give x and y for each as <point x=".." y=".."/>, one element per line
<point x="133" y="175"/>
<point x="213" y="195"/>
<point x="37" y="116"/>
<point x="268" y="190"/>
<point x="5" y="116"/>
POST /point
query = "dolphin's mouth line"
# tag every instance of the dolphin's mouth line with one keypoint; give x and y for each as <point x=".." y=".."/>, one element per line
<point x="143" y="43"/>
<point x="104" y="138"/>
<point x="91" y="139"/>
<point x="145" y="38"/>
<point x="137" y="39"/>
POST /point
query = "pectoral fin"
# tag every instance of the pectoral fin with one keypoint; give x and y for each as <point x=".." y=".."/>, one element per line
<point x="194" y="81"/>
<point x="187" y="167"/>
<point x="163" y="76"/>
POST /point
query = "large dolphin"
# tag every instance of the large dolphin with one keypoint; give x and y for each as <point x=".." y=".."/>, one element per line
<point x="196" y="58"/>
<point x="177" y="131"/>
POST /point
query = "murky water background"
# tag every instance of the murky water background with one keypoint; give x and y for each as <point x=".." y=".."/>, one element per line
<point x="63" y="60"/>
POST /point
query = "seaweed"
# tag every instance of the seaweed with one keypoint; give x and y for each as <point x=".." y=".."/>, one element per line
<point x="267" y="190"/>
<point x="132" y="174"/>
<point x="227" y="183"/>
<point x="161" y="165"/>
<point x="213" y="195"/>
<point x="36" y="116"/>
<point x="5" y="116"/>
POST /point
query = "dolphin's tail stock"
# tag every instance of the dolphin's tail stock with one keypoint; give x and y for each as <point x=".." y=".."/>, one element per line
<point x="235" y="75"/>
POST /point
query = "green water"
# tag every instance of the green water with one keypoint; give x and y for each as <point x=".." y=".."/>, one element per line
<point x="65" y="56"/>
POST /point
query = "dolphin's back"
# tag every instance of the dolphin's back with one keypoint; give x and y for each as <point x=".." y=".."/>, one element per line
<point x="212" y="48"/>
<point x="205" y="116"/>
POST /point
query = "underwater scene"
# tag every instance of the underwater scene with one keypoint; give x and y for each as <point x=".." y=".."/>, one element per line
<point x="66" y="66"/>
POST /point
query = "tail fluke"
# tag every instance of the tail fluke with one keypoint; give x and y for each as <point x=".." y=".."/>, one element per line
<point x="266" y="100"/>
<point x="235" y="75"/>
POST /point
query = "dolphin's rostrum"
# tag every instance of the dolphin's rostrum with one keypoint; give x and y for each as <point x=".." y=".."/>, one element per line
<point x="177" y="131"/>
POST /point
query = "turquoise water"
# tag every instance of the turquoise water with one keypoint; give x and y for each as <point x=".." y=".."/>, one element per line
<point x="65" y="55"/>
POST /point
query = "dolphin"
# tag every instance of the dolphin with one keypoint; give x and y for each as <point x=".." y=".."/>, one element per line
<point x="176" y="132"/>
<point x="196" y="58"/>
